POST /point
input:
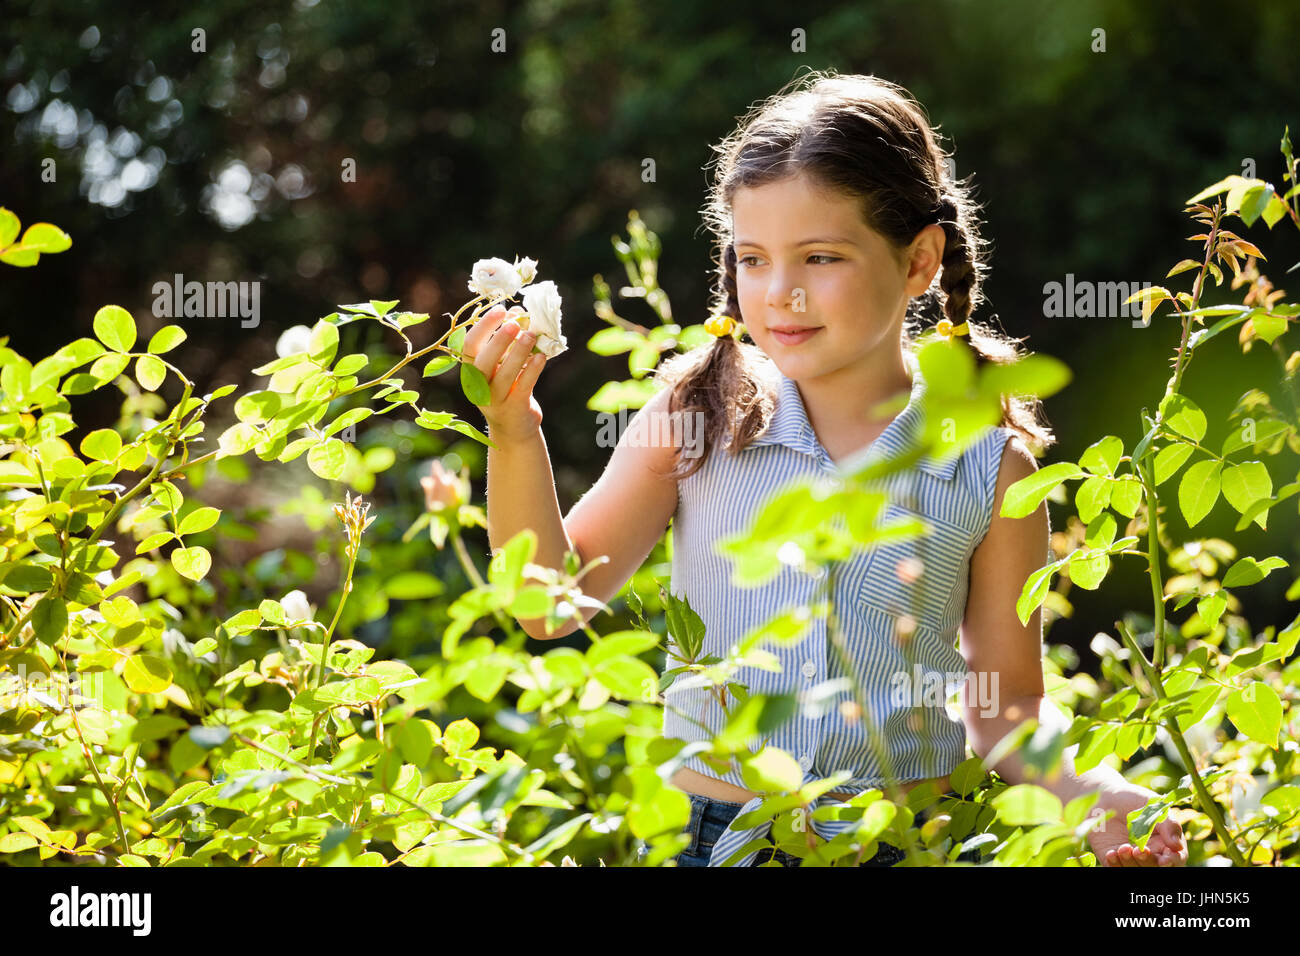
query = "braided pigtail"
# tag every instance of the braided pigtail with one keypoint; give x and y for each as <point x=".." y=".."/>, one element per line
<point x="724" y="381"/>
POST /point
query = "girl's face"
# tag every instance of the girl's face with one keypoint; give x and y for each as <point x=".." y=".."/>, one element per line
<point x="820" y="292"/>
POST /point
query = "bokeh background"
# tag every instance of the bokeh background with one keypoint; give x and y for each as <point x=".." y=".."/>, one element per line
<point x="226" y="164"/>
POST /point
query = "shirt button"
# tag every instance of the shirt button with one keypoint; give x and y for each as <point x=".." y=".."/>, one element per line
<point x="805" y="761"/>
<point x="809" y="668"/>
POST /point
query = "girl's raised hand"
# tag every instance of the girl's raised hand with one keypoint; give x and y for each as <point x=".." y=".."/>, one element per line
<point x="503" y="352"/>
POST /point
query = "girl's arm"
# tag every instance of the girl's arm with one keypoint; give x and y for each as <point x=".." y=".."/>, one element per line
<point x="622" y="516"/>
<point x="1008" y="655"/>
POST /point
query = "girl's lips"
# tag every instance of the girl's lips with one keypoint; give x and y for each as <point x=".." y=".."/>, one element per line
<point x="794" y="337"/>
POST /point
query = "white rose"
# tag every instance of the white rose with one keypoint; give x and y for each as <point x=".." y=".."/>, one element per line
<point x="542" y="303"/>
<point x="293" y="340"/>
<point x="296" y="607"/>
<point x="527" y="269"/>
<point x="495" y="278"/>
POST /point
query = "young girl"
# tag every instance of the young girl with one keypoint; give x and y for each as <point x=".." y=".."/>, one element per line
<point x="832" y="213"/>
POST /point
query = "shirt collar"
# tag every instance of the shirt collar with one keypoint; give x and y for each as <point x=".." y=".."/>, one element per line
<point x="789" y="426"/>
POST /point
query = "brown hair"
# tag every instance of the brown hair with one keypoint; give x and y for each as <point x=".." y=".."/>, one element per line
<point x="869" y="139"/>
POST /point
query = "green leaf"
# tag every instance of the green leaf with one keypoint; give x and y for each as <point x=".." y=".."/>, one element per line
<point x="1169" y="459"/>
<point x="1027" y="805"/>
<point x="103" y="444"/>
<point x="1034" y="375"/>
<point x="324" y="342"/>
<point x="351" y="417"/>
<point x="328" y="459"/>
<point x="685" y="626"/>
<point x="948" y="366"/>
<point x="46" y="237"/>
<point x="10" y="226"/>
<point x="1034" y="592"/>
<point x="1211" y="607"/>
<point x="507" y="566"/>
<point x="350" y="364"/>
<point x="469" y="431"/>
<point x="192" y="563"/>
<point x="258" y="406"/>
<point x="108" y="367"/>
<point x="1089" y="571"/>
<point x="150" y="372"/>
<point x="1199" y="490"/>
<point x="238" y="438"/>
<point x="437" y="365"/>
<point x="200" y="519"/>
<point x="1100" y="532"/>
<point x="1102" y="457"/>
<point x="772" y="771"/>
<point x="1184" y="416"/>
<point x="17" y="842"/>
<point x="1249" y="571"/>
<point x="166" y="339"/>
<point x="18" y="255"/>
<point x="1269" y="326"/>
<point x="1126" y="495"/>
<point x="627" y="677"/>
<point x="530" y="602"/>
<point x="273" y="611"/>
<point x="1256" y="711"/>
<point x="475" y="385"/>
<point x="613" y="341"/>
<point x="1092" y="496"/>
<point x="28" y="578"/>
<point x="114" y="327"/>
<point x="412" y="586"/>
<point x="1246" y="483"/>
<point x="1024" y="496"/>
<point x="358" y="690"/>
<point x="50" y="619"/>
<point x="146" y="674"/>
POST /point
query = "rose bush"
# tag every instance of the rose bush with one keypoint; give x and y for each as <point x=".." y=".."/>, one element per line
<point x="172" y="694"/>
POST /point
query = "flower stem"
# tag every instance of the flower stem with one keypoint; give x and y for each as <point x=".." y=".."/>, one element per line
<point x="1208" y="803"/>
<point x="325" y="647"/>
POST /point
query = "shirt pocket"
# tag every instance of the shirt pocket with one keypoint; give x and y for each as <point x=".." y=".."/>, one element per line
<point x="914" y="577"/>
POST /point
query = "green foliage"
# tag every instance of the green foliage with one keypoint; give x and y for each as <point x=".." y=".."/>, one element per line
<point x="179" y="709"/>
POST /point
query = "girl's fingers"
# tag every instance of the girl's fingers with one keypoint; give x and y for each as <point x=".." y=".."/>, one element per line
<point x="490" y="352"/>
<point x="510" y="365"/>
<point x="481" y="329"/>
<point x="1171" y="832"/>
<point x="528" y="377"/>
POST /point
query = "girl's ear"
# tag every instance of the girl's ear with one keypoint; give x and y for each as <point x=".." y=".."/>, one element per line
<point x="925" y="258"/>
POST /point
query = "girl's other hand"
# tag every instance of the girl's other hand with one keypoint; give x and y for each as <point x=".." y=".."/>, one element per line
<point x="503" y="352"/>
<point x="1166" y="846"/>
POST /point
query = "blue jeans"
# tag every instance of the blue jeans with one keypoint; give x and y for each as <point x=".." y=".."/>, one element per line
<point x="710" y="818"/>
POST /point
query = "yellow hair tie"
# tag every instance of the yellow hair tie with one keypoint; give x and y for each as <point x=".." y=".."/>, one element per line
<point x="945" y="328"/>
<point x="719" y="325"/>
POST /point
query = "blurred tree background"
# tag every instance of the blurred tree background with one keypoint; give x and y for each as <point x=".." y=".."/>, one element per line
<point x="494" y="129"/>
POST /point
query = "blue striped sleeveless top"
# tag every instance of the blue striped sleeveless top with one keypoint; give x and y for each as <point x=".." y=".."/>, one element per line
<point x="898" y="619"/>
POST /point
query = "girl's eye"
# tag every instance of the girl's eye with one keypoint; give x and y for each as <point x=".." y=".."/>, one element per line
<point x="743" y="259"/>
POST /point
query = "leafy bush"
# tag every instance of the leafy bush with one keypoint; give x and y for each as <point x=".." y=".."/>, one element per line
<point x="151" y="717"/>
